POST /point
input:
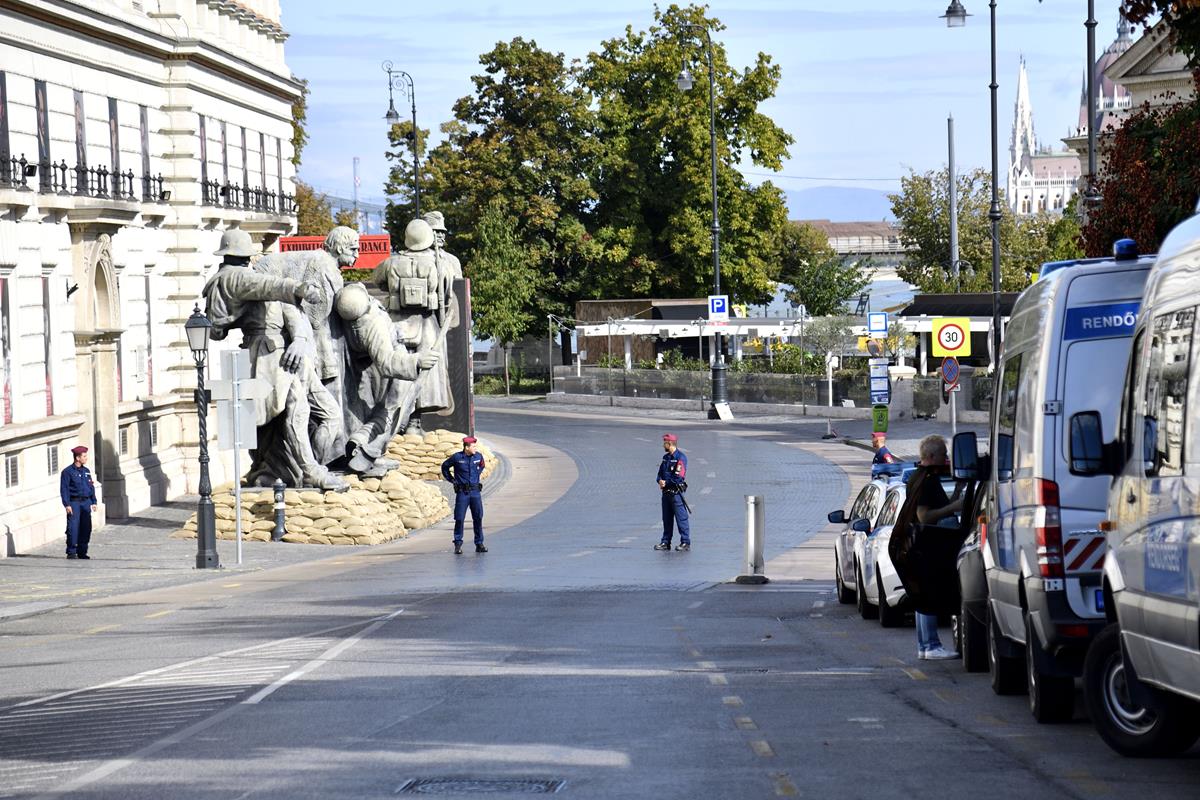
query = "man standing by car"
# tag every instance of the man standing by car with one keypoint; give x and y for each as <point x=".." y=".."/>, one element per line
<point x="671" y="473"/>
<point x="932" y="506"/>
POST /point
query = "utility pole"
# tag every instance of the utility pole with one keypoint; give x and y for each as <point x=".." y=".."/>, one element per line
<point x="356" y="192"/>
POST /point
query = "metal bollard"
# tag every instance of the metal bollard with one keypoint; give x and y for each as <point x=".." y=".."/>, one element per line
<point x="756" y="536"/>
<point x="279" y="531"/>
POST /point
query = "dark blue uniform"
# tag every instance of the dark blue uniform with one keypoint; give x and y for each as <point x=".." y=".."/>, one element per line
<point x="466" y="473"/>
<point x="78" y="494"/>
<point x="672" y="471"/>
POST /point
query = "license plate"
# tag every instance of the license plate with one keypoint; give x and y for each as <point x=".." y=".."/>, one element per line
<point x="1099" y="599"/>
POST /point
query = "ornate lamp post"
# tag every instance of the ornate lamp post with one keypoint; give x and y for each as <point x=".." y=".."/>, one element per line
<point x="956" y="17"/>
<point x="685" y="82"/>
<point x="401" y="80"/>
<point x="198" y="328"/>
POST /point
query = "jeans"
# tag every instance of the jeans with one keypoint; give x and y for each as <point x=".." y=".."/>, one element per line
<point x="927" y="632"/>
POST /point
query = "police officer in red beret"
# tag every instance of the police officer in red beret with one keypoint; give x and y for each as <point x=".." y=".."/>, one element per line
<point x="671" y="473"/>
<point x="79" y="499"/>
<point x="465" y="471"/>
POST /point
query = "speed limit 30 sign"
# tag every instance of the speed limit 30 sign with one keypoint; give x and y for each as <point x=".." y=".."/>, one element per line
<point x="952" y="337"/>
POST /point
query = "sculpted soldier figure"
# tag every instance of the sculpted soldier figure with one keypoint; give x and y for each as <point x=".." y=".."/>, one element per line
<point x="278" y="337"/>
<point x="421" y="299"/>
<point x="379" y="379"/>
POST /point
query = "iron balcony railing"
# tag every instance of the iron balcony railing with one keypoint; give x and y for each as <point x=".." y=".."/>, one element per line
<point x="49" y="177"/>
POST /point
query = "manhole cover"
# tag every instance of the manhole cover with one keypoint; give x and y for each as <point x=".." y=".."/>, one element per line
<point x="477" y="786"/>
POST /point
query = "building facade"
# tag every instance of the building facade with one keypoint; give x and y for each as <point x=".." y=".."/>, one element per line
<point x="1039" y="179"/>
<point x="131" y="136"/>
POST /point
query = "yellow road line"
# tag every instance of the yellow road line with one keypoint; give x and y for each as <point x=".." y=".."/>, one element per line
<point x="731" y="700"/>
<point x="158" y="614"/>
<point x="718" y="680"/>
<point x="762" y="748"/>
<point x="230" y="585"/>
<point x="784" y="786"/>
<point x="915" y="674"/>
<point x="745" y="724"/>
<point x="100" y="629"/>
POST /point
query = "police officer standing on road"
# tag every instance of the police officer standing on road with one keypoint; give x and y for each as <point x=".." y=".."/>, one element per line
<point x="79" y="499"/>
<point x="465" y="471"/>
<point x="671" y="473"/>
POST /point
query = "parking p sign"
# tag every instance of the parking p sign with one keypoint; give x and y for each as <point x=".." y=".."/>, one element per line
<point x="951" y="337"/>
<point x="718" y="308"/>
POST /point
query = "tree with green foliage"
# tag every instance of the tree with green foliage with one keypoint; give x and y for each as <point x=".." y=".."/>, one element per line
<point x="299" y="121"/>
<point x="402" y="209"/>
<point x="821" y="280"/>
<point x="922" y="210"/>
<point x="653" y="217"/>
<point x="346" y="217"/>
<point x="314" y="214"/>
<point x="505" y="281"/>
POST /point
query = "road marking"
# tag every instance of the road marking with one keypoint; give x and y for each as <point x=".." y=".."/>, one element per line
<point x="582" y="553"/>
<point x="158" y="614"/>
<point x="321" y="660"/>
<point x="732" y="700"/>
<point x="694" y="653"/>
<point x="783" y="785"/>
<point x="711" y="475"/>
<point x="819" y="604"/>
<point x="948" y="696"/>
<point x="706" y="665"/>
<point x="762" y="748"/>
<point x="915" y="674"/>
<point x="627" y="540"/>
<point x="230" y="585"/>
<point x="100" y="629"/>
<point x="745" y="724"/>
<point x="718" y="680"/>
<point x="706" y="490"/>
<point x="696" y="604"/>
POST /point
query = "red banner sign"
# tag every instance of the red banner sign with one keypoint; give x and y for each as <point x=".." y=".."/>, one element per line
<point x="372" y="250"/>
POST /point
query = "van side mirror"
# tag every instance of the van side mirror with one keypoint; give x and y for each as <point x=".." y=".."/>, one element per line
<point x="1004" y="456"/>
<point x="837" y="517"/>
<point x="965" y="456"/>
<point x="1086" y="450"/>
<point x="861" y="525"/>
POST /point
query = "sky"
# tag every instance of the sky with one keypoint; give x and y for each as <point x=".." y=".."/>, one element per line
<point x="865" y="90"/>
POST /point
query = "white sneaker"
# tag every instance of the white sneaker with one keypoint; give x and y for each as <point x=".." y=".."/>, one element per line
<point x="939" y="654"/>
<point x="920" y="655"/>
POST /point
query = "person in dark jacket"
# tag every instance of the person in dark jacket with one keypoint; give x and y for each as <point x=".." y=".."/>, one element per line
<point x="78" y="494"/>
<point x="465" y="471"/>
<point x="672" y="471"/>
<point x="932" y="507"/>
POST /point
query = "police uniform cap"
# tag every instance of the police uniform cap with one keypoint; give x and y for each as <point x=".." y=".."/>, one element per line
<point x="670" y="437"/>
<point x="75" y="451"/>
<point x="469" y="440"/>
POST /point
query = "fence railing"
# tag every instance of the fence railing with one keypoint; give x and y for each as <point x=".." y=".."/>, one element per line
<point x="80" y="180"/>
<point x="233" y="195"/>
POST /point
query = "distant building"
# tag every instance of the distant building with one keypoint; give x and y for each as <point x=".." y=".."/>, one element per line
<point x="878" y="247"/>
<point x="1039" y="180"/>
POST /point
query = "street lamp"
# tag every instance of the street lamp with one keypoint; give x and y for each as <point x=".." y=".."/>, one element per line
<point x="685" y="83"/>
<point x="956" y="17"/>
<point x="401" y="80"/>
<point x="1091" y="197"/>
<point x="198" y="329"/>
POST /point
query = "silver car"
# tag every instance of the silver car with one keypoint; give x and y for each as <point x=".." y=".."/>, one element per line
<point x="865" y="507"/>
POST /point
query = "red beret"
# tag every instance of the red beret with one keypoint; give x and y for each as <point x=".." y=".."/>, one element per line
<point x="469" y="440"/>
<point x="670" y="437"/>
<point x="77" y="450"/>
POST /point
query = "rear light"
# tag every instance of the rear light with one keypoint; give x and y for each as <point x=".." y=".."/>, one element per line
<point x="1047" y="524"/>
<point x="982" y="532"/>
<point x="1106" y="526"/>
<point x="1074" y="631"/>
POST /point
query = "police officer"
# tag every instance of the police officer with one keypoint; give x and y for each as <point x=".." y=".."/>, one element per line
<point x="671" y="473"/>
<point x="465" y="471"/>
<point x="79" y="499"/>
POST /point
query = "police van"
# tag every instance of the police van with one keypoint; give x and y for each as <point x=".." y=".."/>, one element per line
<point x="1065" y="347"/>
<point x="1142" y="676"/>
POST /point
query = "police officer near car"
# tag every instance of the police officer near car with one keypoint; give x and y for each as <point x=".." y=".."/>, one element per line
<point x="671" y="473"/>
<point x="465" y="471"/>
<point x="79" y="499"/>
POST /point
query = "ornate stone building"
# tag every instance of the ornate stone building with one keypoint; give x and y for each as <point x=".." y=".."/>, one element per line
<point x="131" y="135"/>
<point x="1038" y="178"/>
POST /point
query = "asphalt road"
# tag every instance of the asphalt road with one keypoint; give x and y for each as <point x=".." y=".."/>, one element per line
<point x="570" y="657"/>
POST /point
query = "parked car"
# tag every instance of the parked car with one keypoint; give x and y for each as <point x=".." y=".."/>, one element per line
<point x="1065" y="347"/>
<point x="874" y="567"/>
<point x="970" y="623"/>
<point x="1142" y="673"/>
<point x="866" y="506"/>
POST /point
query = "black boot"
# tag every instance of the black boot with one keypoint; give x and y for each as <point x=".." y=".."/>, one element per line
<point x="663" y="546"/>
<point x="480" y="548"/>
<point x="457" y="549"/>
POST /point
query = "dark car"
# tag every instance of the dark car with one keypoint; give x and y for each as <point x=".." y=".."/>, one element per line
<point x="970" y="623"/>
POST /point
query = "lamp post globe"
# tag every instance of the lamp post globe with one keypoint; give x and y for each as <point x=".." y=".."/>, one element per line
<point x="956" y="15"/>
<point x="198" y="328"/>
<point x="398" y="78"/>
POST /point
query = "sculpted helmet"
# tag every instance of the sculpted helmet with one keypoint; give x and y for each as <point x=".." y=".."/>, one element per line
<point x="418" y="235"/>
<point x="435" y="220"/>
<point x="352" y="301"/>
<point x="236" y="242"/>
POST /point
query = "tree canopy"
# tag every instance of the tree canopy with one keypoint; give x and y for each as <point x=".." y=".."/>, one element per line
<point x="821" y="281"/>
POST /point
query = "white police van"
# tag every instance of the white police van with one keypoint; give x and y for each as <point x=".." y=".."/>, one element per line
<point x="1142" y="676"/>
<point x="1064" y="350"/>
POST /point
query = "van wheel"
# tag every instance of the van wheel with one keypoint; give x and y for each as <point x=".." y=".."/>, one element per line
<point x="865" y="609"/>
<point x="845" y="594"/>
<point x="1008" y="674"/>
<point x="1168" y="728"/>
<point x="889" y="616"/>
<point x="972" y="641"/>
<point x="1051" y="697"/>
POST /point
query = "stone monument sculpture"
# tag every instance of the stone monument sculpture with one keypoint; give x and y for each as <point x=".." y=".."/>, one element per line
<point x="278" y="336"/>
<point x="380" y="379"/>
<point x="420" y="288"/>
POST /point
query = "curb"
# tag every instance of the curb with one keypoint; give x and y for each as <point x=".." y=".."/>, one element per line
<point x="29" y="610"/>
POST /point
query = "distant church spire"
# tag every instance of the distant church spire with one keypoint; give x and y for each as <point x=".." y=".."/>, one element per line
<point x="1024" y="142"/>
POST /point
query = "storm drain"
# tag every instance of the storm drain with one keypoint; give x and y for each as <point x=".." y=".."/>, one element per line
<point x="478" y="786"/>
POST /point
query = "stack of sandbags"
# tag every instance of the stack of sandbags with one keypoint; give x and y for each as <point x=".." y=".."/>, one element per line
<point x="421" y="457"/>
<point x="373" y="511"/>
